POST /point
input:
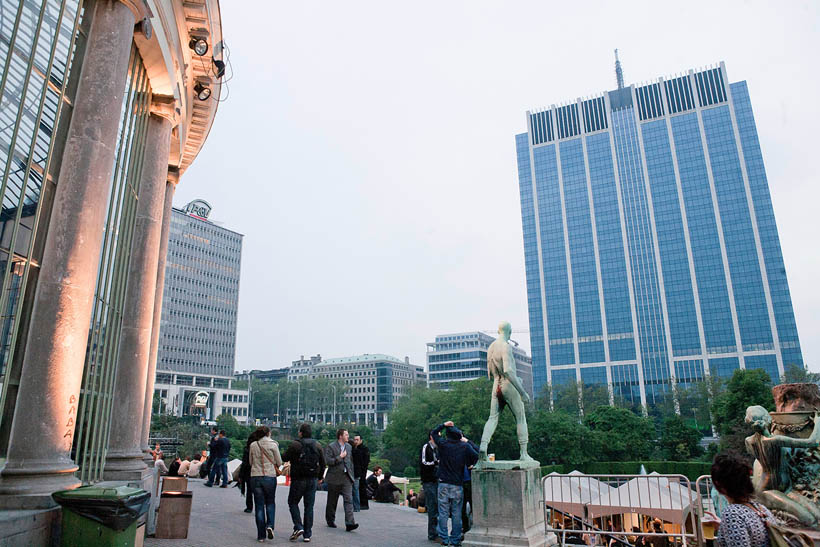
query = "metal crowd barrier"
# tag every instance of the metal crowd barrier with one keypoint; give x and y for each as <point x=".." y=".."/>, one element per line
<point x="595" y="509"/>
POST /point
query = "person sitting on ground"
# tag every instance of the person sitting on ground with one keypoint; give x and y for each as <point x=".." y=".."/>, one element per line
<point x="159" y="463"/>
<point x="173" y="471"/>
<point x="184" y="466"/>
<point x="373" y="482"/>
<point x="196" y="465"/>
<point x="412" y="499"/>
<point x="387" y="491"/>
<point x="205" y="468"/>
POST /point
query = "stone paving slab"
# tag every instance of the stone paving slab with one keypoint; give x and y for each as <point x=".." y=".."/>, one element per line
<point x="218" y="519"/>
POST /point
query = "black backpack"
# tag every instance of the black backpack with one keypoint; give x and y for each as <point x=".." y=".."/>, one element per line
<point x="308" y="462"/>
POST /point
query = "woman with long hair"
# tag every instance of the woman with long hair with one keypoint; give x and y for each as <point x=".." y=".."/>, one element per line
<point x="265" y="463"/>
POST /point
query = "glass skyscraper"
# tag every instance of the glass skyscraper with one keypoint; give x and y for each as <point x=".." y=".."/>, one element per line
<point x="650" y="243"/>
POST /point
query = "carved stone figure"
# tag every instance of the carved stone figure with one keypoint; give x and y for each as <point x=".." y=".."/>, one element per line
<point x="774" y="467"/>
<point x="507" y="390"/>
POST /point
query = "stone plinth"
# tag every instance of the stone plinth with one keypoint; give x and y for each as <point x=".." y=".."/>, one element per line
<point x="507" y="509"/>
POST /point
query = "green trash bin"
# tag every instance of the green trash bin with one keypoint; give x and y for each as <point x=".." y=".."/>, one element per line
<point x="96" y="515"/>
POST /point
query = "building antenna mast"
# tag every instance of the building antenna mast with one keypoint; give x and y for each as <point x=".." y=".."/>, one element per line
<point x="619" y="73"/>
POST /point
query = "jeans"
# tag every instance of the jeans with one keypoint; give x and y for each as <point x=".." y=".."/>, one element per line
<point x="357" y="506"/>
<point x="302" y="488"/>
<point x="264" y="497"/>
<point x="431" y="505"/>
<point x="468" y="498"/>
<point x="219" y="467"/>
<point x="248" y="495"/>
<point x="450" y="497"/>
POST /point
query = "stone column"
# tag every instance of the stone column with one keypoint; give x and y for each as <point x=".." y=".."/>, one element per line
<point x="124" y="457"/>
<point x="39" y="460"/>
<point x="170" y="186"/>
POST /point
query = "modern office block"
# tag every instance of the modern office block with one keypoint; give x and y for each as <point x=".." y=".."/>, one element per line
<point x="200" y="302"/>
<point x="650" y="242"/>
<point x="461" y="357"/>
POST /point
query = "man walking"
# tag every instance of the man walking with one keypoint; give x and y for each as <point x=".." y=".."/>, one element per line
<point x="221" y="449"/>
<point x="307" y="465"/>
<point x="454" y="453"/>
<point x="429" y="484"/>
<point x="340" y="480"/>
<point x="361" y="459"/>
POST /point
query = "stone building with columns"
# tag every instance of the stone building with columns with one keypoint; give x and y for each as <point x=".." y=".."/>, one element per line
<point x="105" y="104"/>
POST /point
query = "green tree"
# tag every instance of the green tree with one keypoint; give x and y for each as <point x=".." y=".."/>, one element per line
<point x="679" y="441"/>
<point x="565" y="398"/>
<point x="744" y="389"/>
<point x="626" y="436"/>
<point x="593" y="396"/>
<point x="557" y="437"/>
<point x="795" y="374"/>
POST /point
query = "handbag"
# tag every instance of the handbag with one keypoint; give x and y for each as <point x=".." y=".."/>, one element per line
<point x="780" y="536"/>
<point x="267" y="457"/>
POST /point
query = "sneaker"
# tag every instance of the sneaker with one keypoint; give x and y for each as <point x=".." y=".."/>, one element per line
<point x="306" y="540"/>
<point x="350" y="527"/>
<point x="269" y="530"/>
<point x="295" y="535"/>
<point x="261" y="540"/>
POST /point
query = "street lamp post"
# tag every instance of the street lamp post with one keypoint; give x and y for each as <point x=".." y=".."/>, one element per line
<point x="278" y="416"/>
<point x="334" y="403"/>
<point x="695" y="416"/>
<point x="298" y="397"/>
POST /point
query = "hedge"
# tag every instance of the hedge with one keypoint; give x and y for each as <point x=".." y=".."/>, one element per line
<point x="691" y="470"/>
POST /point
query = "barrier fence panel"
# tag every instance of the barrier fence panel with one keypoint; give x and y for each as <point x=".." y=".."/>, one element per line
<point x="596" y="509"/>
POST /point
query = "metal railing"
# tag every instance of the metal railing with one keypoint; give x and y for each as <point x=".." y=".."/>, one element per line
<point x="595" y="509"/>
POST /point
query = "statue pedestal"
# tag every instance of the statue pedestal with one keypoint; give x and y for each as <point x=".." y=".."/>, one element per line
<point x="507" y="508"/>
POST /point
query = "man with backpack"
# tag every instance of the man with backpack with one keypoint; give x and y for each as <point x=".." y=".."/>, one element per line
<point x="307" y="467"/>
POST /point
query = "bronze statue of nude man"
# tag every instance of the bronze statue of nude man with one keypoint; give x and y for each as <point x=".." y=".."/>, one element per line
<point x="507" y="390"/>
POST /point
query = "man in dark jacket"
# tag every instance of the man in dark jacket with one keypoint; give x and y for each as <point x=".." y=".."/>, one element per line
<point x="361" y="459"/>
<point x="428" y="465"/>
<point x="221" y="449"/>
<point x="454" y="453"/>
<point x="307" y="467"/>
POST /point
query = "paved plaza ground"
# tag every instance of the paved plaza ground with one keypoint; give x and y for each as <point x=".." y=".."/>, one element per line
<point x="218" y="519"/>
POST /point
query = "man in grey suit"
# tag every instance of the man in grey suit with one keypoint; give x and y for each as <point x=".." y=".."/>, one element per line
<point x="339" y="480"/>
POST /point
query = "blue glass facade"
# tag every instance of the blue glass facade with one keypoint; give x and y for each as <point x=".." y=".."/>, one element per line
<point x="650" y="243"/>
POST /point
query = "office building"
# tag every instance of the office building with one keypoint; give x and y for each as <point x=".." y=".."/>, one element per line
<point x="462" y="357"/>
<point x="264" y="376"/>
<point x="197" y="344"/>
<point x="650" y="242"/>
<point x="374" y="383"/>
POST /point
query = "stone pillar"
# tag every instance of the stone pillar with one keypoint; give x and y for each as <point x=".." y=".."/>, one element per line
<point x="507" y="507"/>
<point x="170" y="186"/>
<point x="124" y="457"/>
<point x="39" y="460"/>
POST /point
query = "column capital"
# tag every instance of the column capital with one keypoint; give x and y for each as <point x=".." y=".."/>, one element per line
<point x="139" y="8"/>
<point x="173" y="175"/>
<point x="165" y="106"/>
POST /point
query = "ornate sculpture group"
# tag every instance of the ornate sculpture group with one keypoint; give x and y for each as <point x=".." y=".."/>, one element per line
<point x="787" y="457"/>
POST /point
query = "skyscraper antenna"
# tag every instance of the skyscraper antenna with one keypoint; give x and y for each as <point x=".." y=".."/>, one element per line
<point x="619" y="73"/>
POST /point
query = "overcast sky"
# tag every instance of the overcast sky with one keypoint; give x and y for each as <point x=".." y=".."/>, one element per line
<point x="366" y="150"/>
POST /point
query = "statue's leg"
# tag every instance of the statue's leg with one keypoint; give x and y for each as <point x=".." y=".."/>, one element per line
<point x="489" y="427"/>
<point x="806" y="504"/>
<point x="517" y="407"/>
<point x="774" y="499"/>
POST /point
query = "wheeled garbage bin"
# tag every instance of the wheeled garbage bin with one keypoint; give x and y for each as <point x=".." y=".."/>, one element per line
<point x="95" y="515"/>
